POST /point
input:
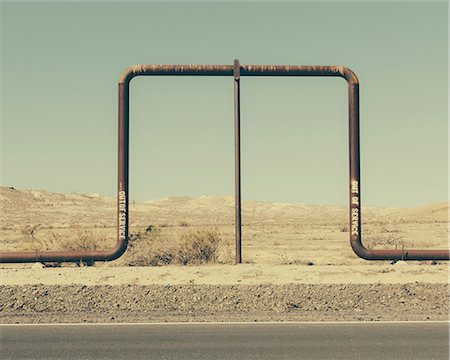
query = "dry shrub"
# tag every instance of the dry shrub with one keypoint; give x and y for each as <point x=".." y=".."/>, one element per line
<point x="148" y="249"/>
<point x="199" y="247"/>
<point x="383" y="239"/>
<point x="159" y="248"/>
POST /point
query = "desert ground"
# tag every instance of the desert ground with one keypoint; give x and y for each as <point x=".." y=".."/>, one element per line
<point x="298" y="264"/>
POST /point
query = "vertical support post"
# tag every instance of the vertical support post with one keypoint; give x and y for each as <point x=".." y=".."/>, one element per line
<point x="237" y="160"/>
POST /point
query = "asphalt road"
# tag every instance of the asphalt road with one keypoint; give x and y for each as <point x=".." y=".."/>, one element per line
<point x="228" y="341"/>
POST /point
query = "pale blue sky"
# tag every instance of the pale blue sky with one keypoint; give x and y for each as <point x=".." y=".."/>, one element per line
<point x="61" y="63"/>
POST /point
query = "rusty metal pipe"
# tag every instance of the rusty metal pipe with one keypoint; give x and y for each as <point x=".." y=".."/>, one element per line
<point x="237" y="161"/>
<point x="245" y="70"/>
<point x="228" y="70"/>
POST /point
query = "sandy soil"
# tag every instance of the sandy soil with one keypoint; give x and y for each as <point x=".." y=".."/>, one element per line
<point x="217" y="274"/>
<point x="273" y="233"/>
<point x="291" y="249"/>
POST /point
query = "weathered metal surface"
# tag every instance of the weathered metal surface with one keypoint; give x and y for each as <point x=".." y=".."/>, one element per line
<point x="231" y="70"/>
<point x="245" y="70"/>
<point x="237" y="160"/>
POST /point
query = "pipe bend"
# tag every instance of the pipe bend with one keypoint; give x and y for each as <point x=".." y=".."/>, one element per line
<point x="349" y="75"/>
<point x="117" y="251"/>
<point x="360" y="250"/>
<point x="129" y="73"/>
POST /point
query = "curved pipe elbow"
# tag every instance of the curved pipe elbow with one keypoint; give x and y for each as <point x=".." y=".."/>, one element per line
<point x="129" y="73"/>
<point x="349" y="75"/>
<point x="360" y="250"/>
<point x="117" y="251"/>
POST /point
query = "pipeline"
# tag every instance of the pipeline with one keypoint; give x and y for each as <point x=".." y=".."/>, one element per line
<point x="237" y="71"/>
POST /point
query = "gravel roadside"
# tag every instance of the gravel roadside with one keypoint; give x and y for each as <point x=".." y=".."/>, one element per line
<point x="161" y="303"/>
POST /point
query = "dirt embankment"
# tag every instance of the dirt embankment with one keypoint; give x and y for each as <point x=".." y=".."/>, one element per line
<point x="289" y="302"/>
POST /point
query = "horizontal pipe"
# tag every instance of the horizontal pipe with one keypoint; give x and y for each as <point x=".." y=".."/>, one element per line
<point x="62" y="256"/>
<point x="245" y="70"/>
<point x="399" y="254"/>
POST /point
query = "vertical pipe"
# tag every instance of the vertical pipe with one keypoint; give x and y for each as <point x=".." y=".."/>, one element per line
<point x="354" y="157"/>
<point x="123" y="156"/>
<point x="237" y="161"/>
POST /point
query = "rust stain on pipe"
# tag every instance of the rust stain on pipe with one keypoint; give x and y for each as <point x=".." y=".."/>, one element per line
<point x="228" y="70"/>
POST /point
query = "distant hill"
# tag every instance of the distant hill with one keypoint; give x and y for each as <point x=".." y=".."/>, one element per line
<point x="28" y="207"/>
<point x="428" y="213"/>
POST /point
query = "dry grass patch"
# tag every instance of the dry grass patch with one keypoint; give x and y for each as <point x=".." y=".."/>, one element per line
<point x="80" y="240"/>
<point x="383" y="240"/>
<point x="154" y="247"/>
<point x="158" y="247"/>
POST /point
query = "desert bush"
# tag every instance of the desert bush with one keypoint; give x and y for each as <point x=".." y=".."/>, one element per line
<point x="199" y="246"/>
<point x="383" y="239"/>
<point x="148" y="249"/>
<point x="159" y="248"/>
